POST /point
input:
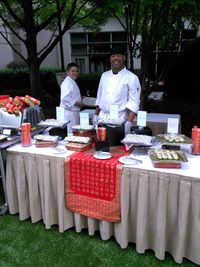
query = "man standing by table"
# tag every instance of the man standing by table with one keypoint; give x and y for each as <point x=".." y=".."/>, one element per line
<point x="70" y="97"/>
<point x="118" y="88"/>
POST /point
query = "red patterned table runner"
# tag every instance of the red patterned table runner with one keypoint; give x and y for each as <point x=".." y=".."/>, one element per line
<point x="93" y="186"/>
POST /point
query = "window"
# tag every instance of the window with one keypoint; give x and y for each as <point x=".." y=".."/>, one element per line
<point x="119" y="36"/>
<point x="99" y="37"/>
<point x="79" y="49"/>
<point x="78" y="38"/>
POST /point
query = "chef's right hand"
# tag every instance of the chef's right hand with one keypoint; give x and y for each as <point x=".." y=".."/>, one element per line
<point x="95" y="120"/>
<point x="127" y="127"/>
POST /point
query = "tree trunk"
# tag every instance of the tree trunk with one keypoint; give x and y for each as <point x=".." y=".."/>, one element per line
<point x="145" y="75"/>
<point x="35" y="81"/>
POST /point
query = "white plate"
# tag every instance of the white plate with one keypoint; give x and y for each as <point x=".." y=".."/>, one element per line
<point x="129" y="160"/>
<point x="58" y="150"/>
<point x="102" y="155"/>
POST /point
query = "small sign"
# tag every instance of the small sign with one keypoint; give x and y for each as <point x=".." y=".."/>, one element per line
<point x="60" y="114"/>
<point x="114" y="112"/>
<point x="142" y="118"/>
<point x="172" y="125"/>
<point x="84" y="118"/>
<point x="6" y="131"/>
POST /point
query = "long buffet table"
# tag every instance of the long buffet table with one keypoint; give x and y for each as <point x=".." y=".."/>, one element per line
<point x="159" y="207"/>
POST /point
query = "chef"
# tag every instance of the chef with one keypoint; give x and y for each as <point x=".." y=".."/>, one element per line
<point x="118" y="97"/>
<point x="70" y="97"/>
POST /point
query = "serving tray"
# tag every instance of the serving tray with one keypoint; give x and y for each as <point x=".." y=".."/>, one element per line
<point x="173" y="139"/>
<point x="164" y="158"/>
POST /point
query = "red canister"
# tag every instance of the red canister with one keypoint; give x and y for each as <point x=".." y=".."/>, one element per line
<point x="101" y="133"/>
<point x="26" y="134"/>
<point x="195" y="140"/>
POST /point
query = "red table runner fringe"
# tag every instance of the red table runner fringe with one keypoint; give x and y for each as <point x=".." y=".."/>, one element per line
<point x="93" y="186"/>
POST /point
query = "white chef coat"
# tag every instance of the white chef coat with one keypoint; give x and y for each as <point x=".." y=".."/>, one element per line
<point x="70" y="93"/>
<point x="122" y="89"/>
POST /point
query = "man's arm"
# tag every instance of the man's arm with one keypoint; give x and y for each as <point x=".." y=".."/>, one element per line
<point x="97" y="111"/>
<point x="131" y="116"/>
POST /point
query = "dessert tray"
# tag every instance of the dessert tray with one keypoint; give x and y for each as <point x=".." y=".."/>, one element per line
<point x="137" y="139"/>
<point x="83" y="127"/>
<point x="47" y="138"/>
<point x="39" y="143"/>
<point x="109" y="121"/>
<point x="78" y="139"/>
<point x="52" y="123"/>
<point x="166" y="158"/>
<point x="78" y="146"/>
<point x="173" y="139"/>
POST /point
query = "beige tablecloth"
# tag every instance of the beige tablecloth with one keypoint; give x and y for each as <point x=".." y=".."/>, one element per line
<point x="159" y="210"/>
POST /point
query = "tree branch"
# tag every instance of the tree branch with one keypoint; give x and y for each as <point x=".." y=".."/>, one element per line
<point x="12" y="46"/>
<point x="12" y="12"/>
<point x="12" y="29"/>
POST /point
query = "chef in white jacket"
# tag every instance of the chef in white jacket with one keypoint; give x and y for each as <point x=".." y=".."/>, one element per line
<point x="70" y="97"/>
<point x="121" y="88"/>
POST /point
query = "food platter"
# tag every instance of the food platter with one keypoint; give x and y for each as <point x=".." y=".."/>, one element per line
<point x="167" y="155"/>
<point x="83" y="127"/>
<point x="53" y="123"/>
<point x="173" y="139"/>
<point x="138" y="139"/>
<point x="108" y="121"/>
<point x="78" y="139"/>
<point x="165" y="158"/>
<point x="46" y="138"/>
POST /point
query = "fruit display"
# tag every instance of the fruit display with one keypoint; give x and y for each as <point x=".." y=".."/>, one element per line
<point x="18" y="104"/>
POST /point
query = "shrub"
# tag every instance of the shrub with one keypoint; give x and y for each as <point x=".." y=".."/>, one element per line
<point x="16" y="65"/>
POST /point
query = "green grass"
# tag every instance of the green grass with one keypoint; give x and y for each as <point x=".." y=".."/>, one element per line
<point x="25" y="244"/>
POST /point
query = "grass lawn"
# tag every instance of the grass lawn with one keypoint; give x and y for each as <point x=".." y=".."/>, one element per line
<point x="25" y="244"/>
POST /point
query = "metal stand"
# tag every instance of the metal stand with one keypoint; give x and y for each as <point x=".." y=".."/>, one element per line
<point x="3" y="208"/>
<point x="3" y="146"/>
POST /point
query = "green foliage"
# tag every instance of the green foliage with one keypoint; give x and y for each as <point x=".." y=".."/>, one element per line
<point x="16" y="65"/>
<point x="88" y="83"/>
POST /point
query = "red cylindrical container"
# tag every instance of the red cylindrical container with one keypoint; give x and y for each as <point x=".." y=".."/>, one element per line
<point x="195" y="140"/>
<point x="101" y="133"/>
<point x="26" y="134"/>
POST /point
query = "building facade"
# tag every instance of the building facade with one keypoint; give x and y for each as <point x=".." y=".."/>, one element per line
<point x="89" y="50"/>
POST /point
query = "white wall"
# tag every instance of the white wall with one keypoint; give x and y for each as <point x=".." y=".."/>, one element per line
<point x="5" y="52"/>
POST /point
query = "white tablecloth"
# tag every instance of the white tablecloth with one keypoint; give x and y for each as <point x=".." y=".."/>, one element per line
<point x="159" y="207"/>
